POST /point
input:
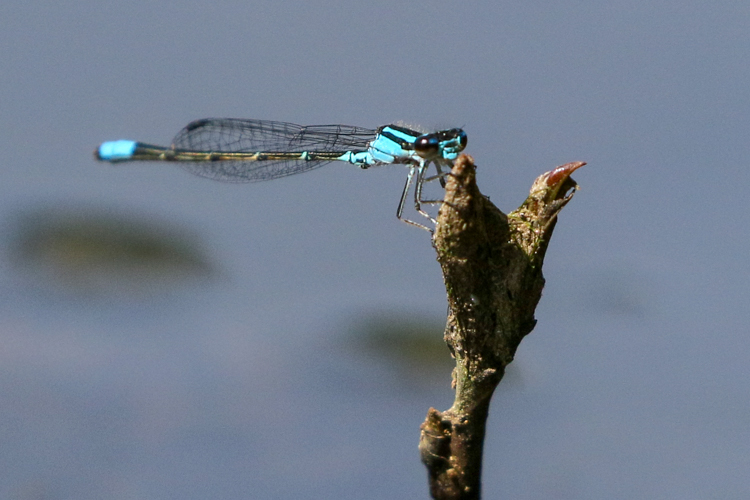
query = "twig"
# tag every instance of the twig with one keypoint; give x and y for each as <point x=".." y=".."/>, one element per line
<point x="492" y="268"/>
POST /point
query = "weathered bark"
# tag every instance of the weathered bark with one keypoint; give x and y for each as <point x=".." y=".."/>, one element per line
<point x="492" y="268"/>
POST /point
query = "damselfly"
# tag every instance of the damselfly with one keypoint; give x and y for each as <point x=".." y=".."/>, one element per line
<point x="237" y="150"/>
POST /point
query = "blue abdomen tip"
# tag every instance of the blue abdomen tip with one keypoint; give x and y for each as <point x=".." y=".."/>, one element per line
<point x="117" y="150"/>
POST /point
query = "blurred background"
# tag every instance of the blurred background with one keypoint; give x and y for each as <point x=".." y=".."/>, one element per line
<point x="166" y="336"/>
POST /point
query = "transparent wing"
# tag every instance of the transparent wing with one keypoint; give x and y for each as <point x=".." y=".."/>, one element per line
<point x="250" y="136"/>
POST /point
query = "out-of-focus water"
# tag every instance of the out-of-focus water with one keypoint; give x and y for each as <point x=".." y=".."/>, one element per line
<point x="164" y="336"/>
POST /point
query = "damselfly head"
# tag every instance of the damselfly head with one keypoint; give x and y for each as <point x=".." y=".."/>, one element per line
<point x="445" y="143"/>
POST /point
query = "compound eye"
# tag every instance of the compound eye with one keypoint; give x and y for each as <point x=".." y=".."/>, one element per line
<point x="462" y="139"/>
<point x="427" y="145"/>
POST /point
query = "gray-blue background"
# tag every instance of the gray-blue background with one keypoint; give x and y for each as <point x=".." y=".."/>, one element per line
<point x="635" y="381"/>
